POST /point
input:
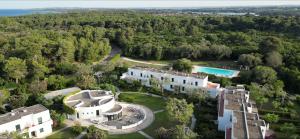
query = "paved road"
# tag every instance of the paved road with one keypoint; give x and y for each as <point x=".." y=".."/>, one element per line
<point x="114" y="51"/>
<point x="62" y="92"/>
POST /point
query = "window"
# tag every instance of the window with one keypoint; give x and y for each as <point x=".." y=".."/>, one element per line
<point x="196" y="83"/>
<point x="18" y="127"/>
<point x="182" y="88"/>
<point x="162" y="78"/>
<point x="151" y="76"/>
<point x="141" y="74"/>
<point x="40" y="120"/>
<point x="171" y="86"/>
<point x="140" y="80"/>
<point x="172" y="79"/>
<point x="41" y="130"/>
<point x="183" y="81"/>
<point x="131" y="73"/>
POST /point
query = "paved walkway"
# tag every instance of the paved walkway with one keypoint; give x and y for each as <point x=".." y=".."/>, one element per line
<point x="193" y="124"/>
<point x="158" y="111"/>
<point x="81" y="135"/>
<point x="145" y="135"/>
<point x="62" y="92"/>
<point x="143" y="62"/>
<point x="148" y="121"/>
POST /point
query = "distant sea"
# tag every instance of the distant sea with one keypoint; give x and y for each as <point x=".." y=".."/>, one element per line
<point x="19" y="12"/>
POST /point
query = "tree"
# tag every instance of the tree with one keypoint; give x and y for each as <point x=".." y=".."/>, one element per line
<point x="183" y="132"/>
<point x="249" y="60"/>
<point x="163" y="133"/>
<point x="56" y="82"/>
<point x="58" y="118"/>
<point x="270" y="44"/>
<point x="288" y="129"/>
<point x="17" y="101"/>
<point x="37" y="86"/>
<point x="14" y="135"/>
<point x="259" y="93"/>
<point x="273" y="59"/>
<point x="39" y="99"/>
<point x="37" y="70"/>
<point x="4" y="95"/>
<point x="179" y="110"/>
<point x="183" y="65"/>
<point x="276" y="104"/>
<point x="85" y="78"/>
<point x="263" y="74"/>
<point x="96" y="133"/>
<point x="77" y="128"/>
<point x="15" y="68"/>
<point x="271" y="118"/>
<point x="197" y="95"/>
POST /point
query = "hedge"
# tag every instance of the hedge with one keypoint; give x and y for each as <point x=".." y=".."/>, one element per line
<point x="67" y="109"/>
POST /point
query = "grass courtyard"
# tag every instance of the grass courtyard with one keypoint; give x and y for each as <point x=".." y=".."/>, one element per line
<point x="154" y="103"/>
<point x="63" y="134"/>
<point x="127" y="136"/>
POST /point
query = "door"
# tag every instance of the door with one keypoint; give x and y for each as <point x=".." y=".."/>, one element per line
<point x="97" y="113"/>
<point x="77" y="115"/>
<point x="33" y="134"/>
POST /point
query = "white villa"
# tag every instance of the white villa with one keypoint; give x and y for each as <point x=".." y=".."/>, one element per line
<point x="172" y="80"/>
<point x="33" y="121"/>
<point x="94" y="104"/>
<point x="238" y="115"/>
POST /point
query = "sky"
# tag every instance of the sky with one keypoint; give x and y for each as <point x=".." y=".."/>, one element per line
<point x="33" y="4"/>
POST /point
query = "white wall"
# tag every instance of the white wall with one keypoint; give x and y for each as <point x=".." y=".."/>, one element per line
<point x="225" y="120"/>
<point x="30" y="122"/>
<point x="90" y="112"/>
<point x="190" y="82"/>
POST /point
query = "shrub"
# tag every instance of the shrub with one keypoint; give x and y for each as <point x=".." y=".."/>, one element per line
<point x="77" y="128"/>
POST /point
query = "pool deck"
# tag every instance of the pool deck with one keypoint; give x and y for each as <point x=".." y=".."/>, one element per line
<point x="235" y="72"/>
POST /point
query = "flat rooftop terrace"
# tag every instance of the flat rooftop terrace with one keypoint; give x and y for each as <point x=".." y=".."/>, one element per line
<point x="88" y="98"/>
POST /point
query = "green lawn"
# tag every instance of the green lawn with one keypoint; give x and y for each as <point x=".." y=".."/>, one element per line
<point x="127" y="136"/>
<point x="154" y="103"/>
<point x="161" y="120"/>
<point x="209" y="63"/>
<point x="64" y="134"/>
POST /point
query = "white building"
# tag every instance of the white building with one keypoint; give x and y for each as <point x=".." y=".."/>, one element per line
<point x="33" y="121"/>
<point x="172" y="80"/>
<point x="94" y="104"/>
<point x="238" y="115"/>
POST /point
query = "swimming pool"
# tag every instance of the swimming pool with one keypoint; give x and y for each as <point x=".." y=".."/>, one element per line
<point x="217" y="71"/>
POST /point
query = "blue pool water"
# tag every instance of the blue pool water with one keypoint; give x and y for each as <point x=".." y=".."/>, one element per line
<point x="217" y="71"/>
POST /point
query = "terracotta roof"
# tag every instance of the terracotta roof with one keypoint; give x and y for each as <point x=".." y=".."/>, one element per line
<point x="228" y="133"/>
<point x="221" y="104"/>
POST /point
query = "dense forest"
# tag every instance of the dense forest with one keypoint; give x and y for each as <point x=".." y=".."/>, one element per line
<point x="45" y="45"/>
<point x="45" y="52"/>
